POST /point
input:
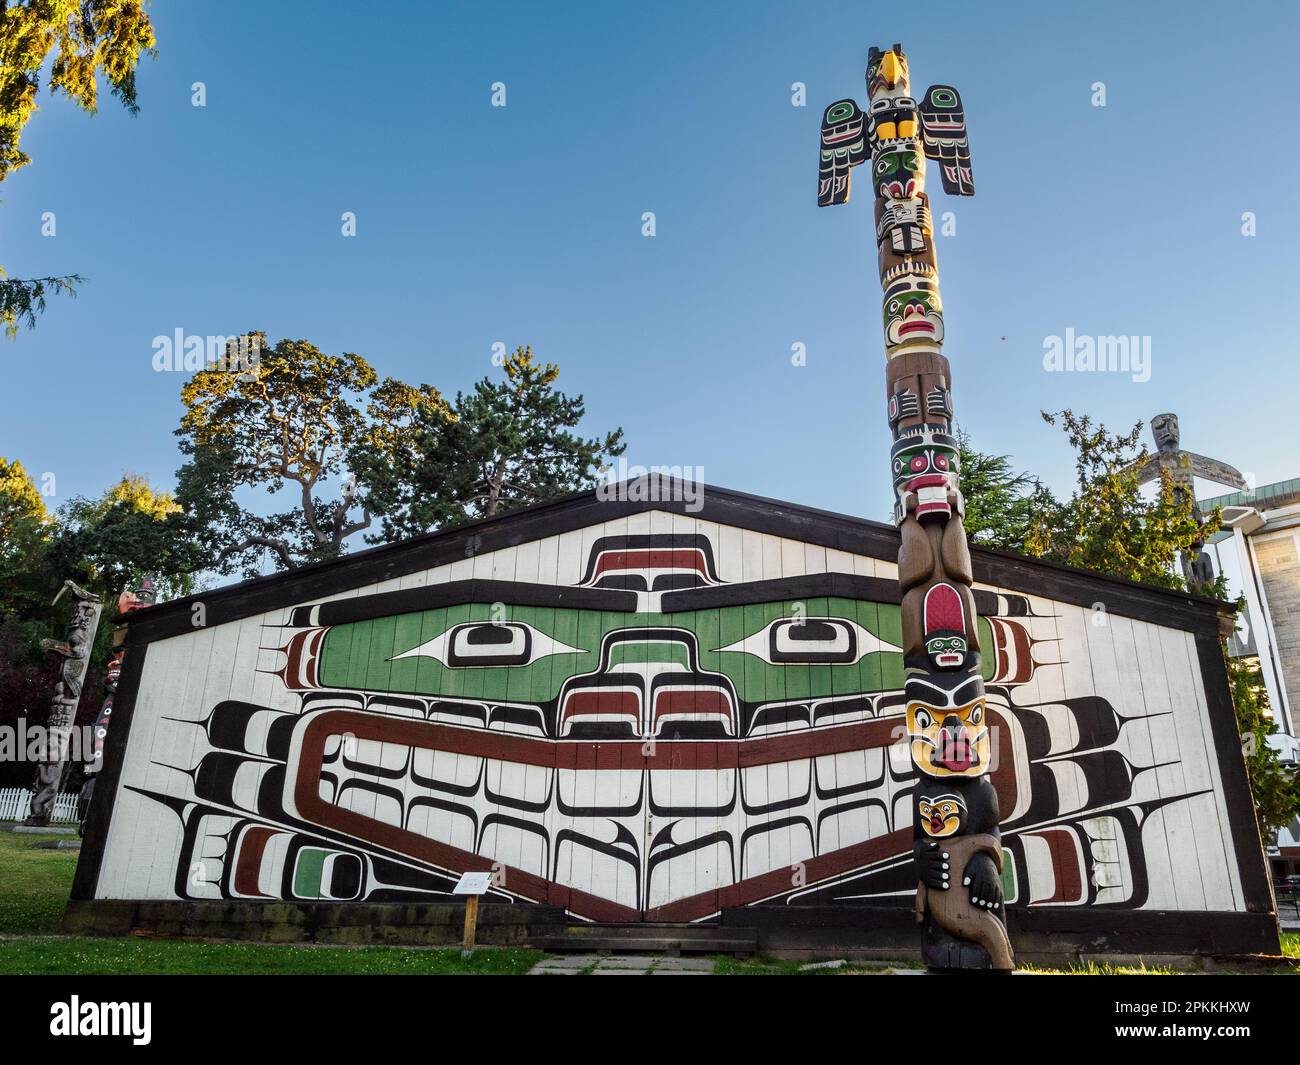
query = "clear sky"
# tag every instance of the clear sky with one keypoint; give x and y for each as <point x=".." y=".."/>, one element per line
<point x="522" y="224"/>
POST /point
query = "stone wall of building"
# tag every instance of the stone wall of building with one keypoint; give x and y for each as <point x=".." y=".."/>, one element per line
<point x="1279" y="568"/>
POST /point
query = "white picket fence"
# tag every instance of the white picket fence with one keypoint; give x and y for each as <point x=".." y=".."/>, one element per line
<point x="16" y="804"/>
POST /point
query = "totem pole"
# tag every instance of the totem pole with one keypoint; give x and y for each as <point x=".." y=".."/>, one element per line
<point x="75" y="655"/>
<point x="128" y="602"/>
<point x="1183" y="468"/>
<point x="957" y="848"/>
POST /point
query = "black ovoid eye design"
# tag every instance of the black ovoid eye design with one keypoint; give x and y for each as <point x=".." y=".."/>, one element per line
<point x="801" y="640"/>
<point x="487" y="643"/>
<point x="820" y="640"/>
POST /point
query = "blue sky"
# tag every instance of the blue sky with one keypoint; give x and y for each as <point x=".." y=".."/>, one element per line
<point x="523" y="224"/>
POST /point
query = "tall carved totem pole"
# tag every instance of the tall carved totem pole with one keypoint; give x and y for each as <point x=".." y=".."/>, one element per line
<point x="957" y="847"/>
<point x="1183" y="468"/>
<point x="74" y="658"/>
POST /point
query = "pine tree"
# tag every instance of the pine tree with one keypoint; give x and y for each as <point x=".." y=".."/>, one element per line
<point x="1000" y="504"/>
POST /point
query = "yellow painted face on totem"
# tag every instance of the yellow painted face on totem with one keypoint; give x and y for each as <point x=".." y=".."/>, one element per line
<point x="950" y="741"/>
<point x="940" y="815"/>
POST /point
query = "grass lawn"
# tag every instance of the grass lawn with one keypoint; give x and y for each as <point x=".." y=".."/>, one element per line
<point x="34" y="886"/>
<point x="34" y="883"/>
<point x="55" y="955"/>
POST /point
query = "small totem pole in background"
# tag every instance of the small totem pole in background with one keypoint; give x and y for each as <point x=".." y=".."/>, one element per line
<point x="957" y="846"/>
<point x="74" y="654"/>
<point x="128" y="602"/>
<point x="1183" y="468"/>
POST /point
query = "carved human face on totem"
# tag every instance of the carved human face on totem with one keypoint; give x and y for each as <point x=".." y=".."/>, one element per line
<point x="944" y="620"/>
<point x="132" y="599"/>
<point x="898" y="171"/>
<point x="946" y="650"/>
<point x="912" y="314"/>
<point x="926" y="467"/>
<point x="947" y="725"/>
<point x="1164" y="427"/>
<point x="941" y="815"/>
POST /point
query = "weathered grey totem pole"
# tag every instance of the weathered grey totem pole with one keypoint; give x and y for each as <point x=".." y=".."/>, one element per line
<point x="957" y="848"/>
<point x="75" y="655"/>
<point x="131" y="600"/>
<point x="1183" y="468"/>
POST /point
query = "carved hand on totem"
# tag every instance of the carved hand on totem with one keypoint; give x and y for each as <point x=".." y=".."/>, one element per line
<point x="983" y="882"/>
<point x="931" y="864"/>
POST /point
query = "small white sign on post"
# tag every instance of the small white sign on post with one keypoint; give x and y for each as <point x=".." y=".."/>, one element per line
<point x="473" y="884"/>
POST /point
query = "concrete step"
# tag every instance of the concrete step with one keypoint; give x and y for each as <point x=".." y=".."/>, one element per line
<point x="643" y="938"/>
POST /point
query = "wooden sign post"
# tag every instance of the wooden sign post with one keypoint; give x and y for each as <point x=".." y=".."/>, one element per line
<point x="472" y="885"/>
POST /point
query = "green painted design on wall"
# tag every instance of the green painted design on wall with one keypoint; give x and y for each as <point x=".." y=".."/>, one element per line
<point x="1009" y="881"/>
<point x="362" y="655"/>
<point x="308" y="872"/>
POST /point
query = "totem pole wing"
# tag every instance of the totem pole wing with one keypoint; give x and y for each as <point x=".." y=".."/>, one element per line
<point x="943" y="132"/>
<point x="1147" y="469"/>
<point x="843" y="146"/>
<point x="1219" y="472"/>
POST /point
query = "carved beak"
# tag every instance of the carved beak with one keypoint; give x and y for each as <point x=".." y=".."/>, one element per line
<point x="890" y="68"/>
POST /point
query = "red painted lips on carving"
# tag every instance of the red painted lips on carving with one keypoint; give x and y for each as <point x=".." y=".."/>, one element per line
<point x="921" y="325"/>
<point x="954" y="752"/>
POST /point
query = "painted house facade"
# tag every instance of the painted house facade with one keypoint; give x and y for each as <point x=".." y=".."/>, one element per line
<point x="638" y="711"/>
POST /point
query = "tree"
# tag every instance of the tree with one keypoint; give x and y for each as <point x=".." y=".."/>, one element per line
<point x="290" y="416"/>
<point x="104" y="544"/>
<point x="1107" y="524"/>
<point x="130" y="532"/>
<point x="507" y="444"/>
<point x="20" y="501"/>
<point x="1001" y="505"/>
<point x="1275" y="787"/>
<point x="25" y="527"/>
<point x="26" y="676"/>
<point x="22" y="299"/>
<point x="87" y="37"/>
<point x="26" y="681"/>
